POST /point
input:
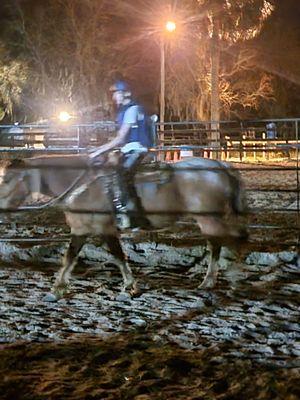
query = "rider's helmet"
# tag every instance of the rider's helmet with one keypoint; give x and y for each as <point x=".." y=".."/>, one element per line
<point x="121" y="86"/>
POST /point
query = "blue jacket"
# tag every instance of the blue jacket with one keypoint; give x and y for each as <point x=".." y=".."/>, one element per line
<point x="141" y="132"/>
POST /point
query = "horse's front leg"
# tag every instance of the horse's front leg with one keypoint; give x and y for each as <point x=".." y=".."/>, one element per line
<point x="210" y="278"/>
<point x="113" y="243"/>
<point x="69" y="261"/>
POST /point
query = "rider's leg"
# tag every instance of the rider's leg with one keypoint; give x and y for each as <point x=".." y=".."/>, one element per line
<point x="129" y="197"/>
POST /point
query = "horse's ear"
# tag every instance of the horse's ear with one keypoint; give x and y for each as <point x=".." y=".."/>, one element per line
<point x="10" y="170"/>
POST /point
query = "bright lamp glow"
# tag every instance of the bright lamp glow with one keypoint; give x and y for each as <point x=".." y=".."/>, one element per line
<point x="170" y="26"/>
<point x="64" y="116"/>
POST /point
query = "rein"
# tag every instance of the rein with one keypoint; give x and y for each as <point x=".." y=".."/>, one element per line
<point x="63" y="194"/>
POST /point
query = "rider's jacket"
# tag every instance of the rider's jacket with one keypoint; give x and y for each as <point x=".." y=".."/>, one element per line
<point x="139" y="132"/>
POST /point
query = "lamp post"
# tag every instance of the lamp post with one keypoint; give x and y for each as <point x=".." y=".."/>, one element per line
<point x="162" y="84"/>
<point x="170" y="27"/>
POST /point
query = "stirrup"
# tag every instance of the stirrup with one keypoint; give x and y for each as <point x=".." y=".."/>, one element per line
<point x="138" y="222"/>
<point x="121" y="217"/>
<point x="126" y="221"/>
<point x="123" y="221"/>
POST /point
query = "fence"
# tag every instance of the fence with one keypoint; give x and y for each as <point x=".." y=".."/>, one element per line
<point x="233" y="140"/>
<point x="41" y="138"/>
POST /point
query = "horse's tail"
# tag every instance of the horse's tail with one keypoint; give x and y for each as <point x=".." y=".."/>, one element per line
<point x="238" y="203"/>
<point x="237" y="192"/>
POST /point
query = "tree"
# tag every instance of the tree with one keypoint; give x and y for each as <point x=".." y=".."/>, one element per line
<point x="67" y="49"/>
<point x="70" y="51"/>
<point x="222" y="61"/>
<point x="277" y="47"/>
<point x="13" y="77"/>
<point x="13" y="71"/>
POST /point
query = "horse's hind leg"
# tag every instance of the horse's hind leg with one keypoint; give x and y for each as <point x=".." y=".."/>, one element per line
<point x="212" y="271"/>
<point x="69" y="262"/>
<point x="116" y="250"/>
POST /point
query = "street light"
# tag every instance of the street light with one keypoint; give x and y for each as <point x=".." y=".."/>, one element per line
<point x="170" y="27"/>
<point x="64" y="116"/>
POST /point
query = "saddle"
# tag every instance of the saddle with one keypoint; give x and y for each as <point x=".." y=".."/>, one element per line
<point x="157" y="173"/>
<point x="127" y="205"/>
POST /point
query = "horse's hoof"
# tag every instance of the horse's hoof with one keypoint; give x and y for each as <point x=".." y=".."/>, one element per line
<point x="60" y="291"/>
<point x="50" y="298"/>
<point x="133" y="289"/>
<point x="207" y="284"/>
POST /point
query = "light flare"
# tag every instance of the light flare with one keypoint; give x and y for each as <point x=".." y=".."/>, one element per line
<point x="64" y="116"/>
<point x="170" y="26"/>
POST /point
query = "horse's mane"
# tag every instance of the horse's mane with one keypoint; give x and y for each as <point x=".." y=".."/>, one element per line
<point x="65" y="160"/>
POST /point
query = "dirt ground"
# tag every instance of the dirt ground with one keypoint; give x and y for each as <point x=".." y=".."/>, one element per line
<point x="132" y="366"/>
<point x="173" y="341"/>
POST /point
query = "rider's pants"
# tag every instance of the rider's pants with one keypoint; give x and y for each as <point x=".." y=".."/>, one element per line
<point x="129" y="202"/>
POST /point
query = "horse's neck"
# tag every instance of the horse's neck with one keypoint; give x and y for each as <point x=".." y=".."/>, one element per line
<point x="52" y="175"/>
<point x="51" y="181"/>
<point x="63" y="161"/>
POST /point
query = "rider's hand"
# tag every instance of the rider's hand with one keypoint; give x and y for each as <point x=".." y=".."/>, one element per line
<point x="98" y="160"/>
<point x="94" y="153"/>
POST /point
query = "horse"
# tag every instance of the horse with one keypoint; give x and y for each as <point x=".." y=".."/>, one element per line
<point x="210" y="192"/>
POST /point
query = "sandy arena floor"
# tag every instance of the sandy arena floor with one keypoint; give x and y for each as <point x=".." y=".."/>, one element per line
<point x="174" y="341"/>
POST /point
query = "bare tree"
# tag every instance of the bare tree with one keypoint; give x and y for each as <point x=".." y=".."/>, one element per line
<point x="73" y="48"/>
<point x="221" y="78"/>
<point x="13" y="77"/>
<point x="66" y="44"/>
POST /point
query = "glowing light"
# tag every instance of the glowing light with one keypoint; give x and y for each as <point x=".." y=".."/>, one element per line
<point x="64" y="116"/>
<point x="170" y="26"/>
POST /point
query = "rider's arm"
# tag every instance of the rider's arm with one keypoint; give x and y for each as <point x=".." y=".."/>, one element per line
<point x="130" y="118"/>
<point x="118" y="141"/>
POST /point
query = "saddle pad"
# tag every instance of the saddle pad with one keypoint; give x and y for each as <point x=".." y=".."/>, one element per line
<point x="158" y="173"/>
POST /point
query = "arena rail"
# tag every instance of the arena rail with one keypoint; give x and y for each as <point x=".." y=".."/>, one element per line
<point x="233" y="140"/>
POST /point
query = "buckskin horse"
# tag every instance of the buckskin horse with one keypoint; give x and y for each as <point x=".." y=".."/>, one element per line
<point x="209" y="191"/>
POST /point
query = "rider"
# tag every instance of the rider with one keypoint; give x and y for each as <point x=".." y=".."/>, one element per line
<point x="134" y="143"/>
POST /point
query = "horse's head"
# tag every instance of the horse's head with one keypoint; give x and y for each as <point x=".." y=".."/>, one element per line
<point x="14" y="188"/>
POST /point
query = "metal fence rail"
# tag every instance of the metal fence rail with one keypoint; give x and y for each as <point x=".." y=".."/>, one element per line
<point x="55" y="137"/>
<point x="236" y="140"/>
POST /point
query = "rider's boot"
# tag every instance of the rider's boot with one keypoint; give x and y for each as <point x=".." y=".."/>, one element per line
<point x="129" y="208"/>
<point x="122" y="217"/>
<point x="113" y="191"/>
